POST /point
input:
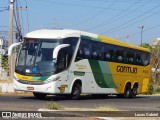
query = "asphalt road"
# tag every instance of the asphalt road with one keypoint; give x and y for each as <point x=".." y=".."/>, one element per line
<point x="29" y="103"/>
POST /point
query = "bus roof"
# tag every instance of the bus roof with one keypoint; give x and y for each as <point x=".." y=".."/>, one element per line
<point x="53" y="34"/>
<point x="64" y="33"/>
<point x="109" y="40"/>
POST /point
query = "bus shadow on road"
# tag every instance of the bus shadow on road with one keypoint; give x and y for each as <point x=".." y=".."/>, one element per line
<point x="83" y="97"/>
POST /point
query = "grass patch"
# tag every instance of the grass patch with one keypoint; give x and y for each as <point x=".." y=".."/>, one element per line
<point x="157" y="90"/>
<point x="53" y="106"/>
<point x="106" y="108"/>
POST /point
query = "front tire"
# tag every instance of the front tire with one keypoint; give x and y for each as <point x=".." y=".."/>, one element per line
<point x="76" y="91"/>
<point x="39" y="95"/>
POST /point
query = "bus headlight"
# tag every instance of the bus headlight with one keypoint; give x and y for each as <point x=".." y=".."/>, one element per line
<point x="15" y="78"/>
<point x="52" y="79"/>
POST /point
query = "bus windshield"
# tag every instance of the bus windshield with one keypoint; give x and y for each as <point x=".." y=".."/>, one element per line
<point x="36" y="57"/>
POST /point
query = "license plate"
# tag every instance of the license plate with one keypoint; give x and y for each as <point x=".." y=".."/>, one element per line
<point x="30" y="88"/>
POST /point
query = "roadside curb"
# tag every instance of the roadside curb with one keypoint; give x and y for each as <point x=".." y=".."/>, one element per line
<point x="72" y="113"/>
<point x="16" y="93"/>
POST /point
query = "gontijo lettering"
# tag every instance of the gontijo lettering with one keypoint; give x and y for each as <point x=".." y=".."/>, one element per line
<point x="127" y="69"/>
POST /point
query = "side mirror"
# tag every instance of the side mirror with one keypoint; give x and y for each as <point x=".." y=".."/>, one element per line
<point x="57" y="49"/>
<point x="55" y="61"/>
<point x="10" y="49"/>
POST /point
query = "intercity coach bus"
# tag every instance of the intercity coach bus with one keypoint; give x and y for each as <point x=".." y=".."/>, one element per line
<point x="72" y="62"/>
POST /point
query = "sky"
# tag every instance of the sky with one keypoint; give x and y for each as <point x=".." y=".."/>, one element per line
<point x="119" y="19"/>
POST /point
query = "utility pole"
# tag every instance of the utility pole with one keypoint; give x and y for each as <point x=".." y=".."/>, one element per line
<point x="11" y="7"/>
<point x="18" y="22"/>
<point x="141" y="34"/>
<point x="10" y="59"/>
<point x="18" y="34"/>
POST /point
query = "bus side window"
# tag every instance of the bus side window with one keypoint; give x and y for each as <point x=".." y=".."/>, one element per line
<point x="112" y="58"/>
<point x="87" y="53"/>
<point x="62" y="60"/>
<point x="145" y="59"/>
<point x="79" y="55"/>
<point x="130" y="58"/>
<point x="101" y="52"/>
<point x="107" y="56"/>
<point x="119" y="55"/>
<point x="108" y="52"/>
<point x="120" y="58"/>
<point x="95" y="54"/>
<point x="138" y="60"/>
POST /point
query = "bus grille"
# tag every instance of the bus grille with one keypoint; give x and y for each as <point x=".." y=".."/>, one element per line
<point x="31" y="83"/>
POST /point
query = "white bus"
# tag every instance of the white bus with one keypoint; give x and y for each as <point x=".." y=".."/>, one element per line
<point x="72" y="62"/>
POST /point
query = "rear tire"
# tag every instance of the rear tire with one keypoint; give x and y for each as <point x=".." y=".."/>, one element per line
<point x="127" y="92"/>
<point x="134" y="92"/>
<point x="39" y="95"/>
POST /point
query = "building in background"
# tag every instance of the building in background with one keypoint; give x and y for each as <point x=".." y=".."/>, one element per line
<point x="3" y="46"/>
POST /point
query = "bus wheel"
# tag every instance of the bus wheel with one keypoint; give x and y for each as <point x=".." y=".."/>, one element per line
<point x="127" y="92"/>
<point x="134" y="92"/>
<point x="39" y="95"/>
<point x="76" y="91"/>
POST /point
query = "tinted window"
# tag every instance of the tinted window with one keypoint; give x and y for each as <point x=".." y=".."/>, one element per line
<point x="120" y="54"/>
<point x="84" y="50"/>
<point x="89" y="49"/>
<point x="97" y="51"/>
<point x="130" y="59"/>
<point x="145" y="58"/>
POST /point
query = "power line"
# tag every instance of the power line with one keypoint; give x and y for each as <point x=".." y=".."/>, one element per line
<point x="95" y="15"/>
<point x="88" y="6"/>
<point x="112" y="30"/>
<point x="27" y="14"/>
<point x="70" y="4"/>
<point x="122" y="1"/>
<point x="20" y="6"/>
<point x="133" y="23"/>
<point x="15" y="19"/>
<point x="148" y="29"/>
<point x="128" y="13"/>
<point x="4" y="9"/>
<point x="82" y="5"/>
<point x="110" y="19"/>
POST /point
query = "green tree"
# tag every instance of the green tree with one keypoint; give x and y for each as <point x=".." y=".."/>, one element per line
<point x="154" y="62"/>
<point x="146" y="45"/>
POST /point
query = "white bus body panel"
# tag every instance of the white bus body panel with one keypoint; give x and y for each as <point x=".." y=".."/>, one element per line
<point x="50" y="88"/>
<point x="89" y="84"/>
